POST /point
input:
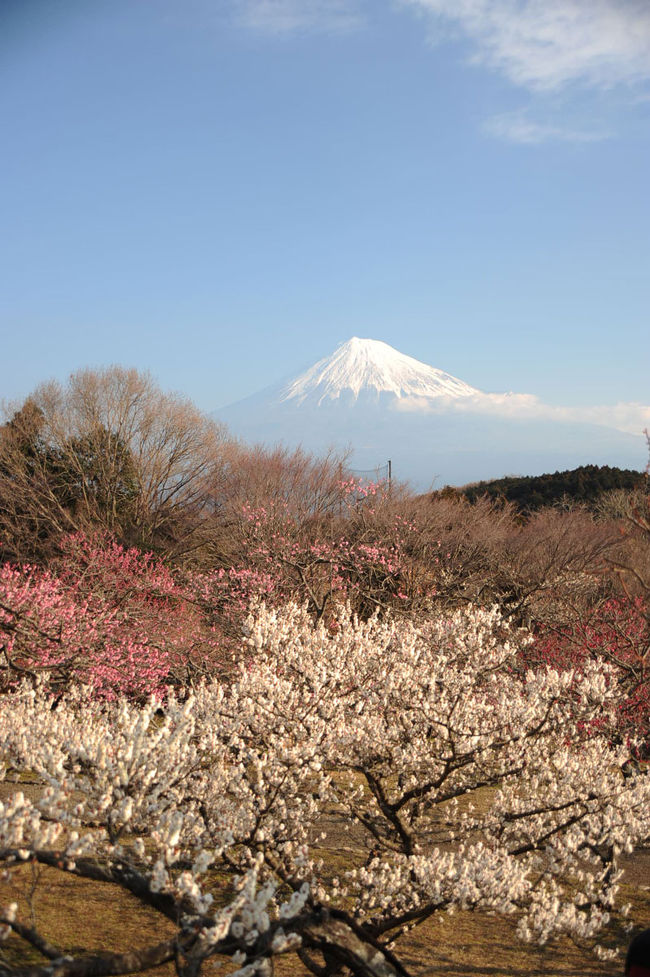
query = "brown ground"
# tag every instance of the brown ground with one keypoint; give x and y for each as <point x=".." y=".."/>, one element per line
<point x="75" y="913"/>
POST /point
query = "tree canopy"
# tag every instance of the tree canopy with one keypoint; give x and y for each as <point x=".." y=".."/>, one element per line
<point x="109" y="450"/>
<point x="585" y="484"/>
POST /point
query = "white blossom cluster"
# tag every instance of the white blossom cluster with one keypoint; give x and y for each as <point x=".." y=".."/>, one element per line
<point x="466" y="783"/>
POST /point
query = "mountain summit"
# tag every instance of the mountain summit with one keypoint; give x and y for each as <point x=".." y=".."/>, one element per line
<point x="366" y="367"/>
<point x="374" y="403"/>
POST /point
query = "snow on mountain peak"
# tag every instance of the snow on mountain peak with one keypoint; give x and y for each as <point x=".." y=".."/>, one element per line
<point x="361" y="365"/>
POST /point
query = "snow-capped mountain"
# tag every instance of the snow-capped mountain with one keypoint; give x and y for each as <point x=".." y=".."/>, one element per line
<point x="367" y="366"/>
<point x="379" y="404"/>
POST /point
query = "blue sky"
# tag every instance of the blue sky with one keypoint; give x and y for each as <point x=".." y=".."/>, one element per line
<point x="221" y="191"/>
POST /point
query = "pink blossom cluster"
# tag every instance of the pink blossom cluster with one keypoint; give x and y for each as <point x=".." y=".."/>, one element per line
<point x="617" y="631"/>
<point x="108" y="616"/>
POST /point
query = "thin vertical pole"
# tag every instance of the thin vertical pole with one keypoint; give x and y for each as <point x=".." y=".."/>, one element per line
<point x="390" y="472"/>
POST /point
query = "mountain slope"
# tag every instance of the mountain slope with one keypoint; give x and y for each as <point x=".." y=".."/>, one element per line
<point x="586" y="485"/>
<point x="363" y="366"/>
<point x="378" y="403"/>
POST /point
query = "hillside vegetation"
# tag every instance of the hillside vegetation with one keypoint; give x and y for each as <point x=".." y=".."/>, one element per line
<point x="584" y="485"/>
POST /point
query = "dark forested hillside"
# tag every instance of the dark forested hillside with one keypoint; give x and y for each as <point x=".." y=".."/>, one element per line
<point x="585" y="484"/>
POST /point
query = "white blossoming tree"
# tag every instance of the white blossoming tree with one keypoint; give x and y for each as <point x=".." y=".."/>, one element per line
<point x="464" y="783"/>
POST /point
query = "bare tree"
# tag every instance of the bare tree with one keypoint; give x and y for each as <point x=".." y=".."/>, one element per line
<point x="289" y="486"/>
<point x="108" y="450"/>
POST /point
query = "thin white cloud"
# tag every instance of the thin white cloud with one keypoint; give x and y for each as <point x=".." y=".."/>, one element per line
<point x="630" y="418"/>
<point x="519" y="127"/>
<point x="289" y="16"/>
<point x="543" y="45"/>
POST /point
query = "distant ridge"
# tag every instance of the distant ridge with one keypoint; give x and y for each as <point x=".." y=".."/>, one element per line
<point x="584" y="485"/>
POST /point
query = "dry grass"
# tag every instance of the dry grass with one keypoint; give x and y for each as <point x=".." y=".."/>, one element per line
<point x="78" y="914"/>
<point x="481" y="945"/>
<point x="74" y="913"/>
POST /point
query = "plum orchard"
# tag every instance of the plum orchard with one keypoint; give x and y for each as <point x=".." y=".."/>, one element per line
<point x="466" y="784"/>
